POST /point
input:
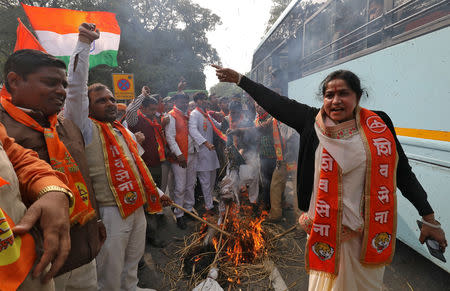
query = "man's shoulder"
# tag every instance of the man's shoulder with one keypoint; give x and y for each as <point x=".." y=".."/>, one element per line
<point x="68" y="131"/>
<point x="196" y="113"/>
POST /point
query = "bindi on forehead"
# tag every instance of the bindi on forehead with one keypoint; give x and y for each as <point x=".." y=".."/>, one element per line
<point x="335" y="86"/>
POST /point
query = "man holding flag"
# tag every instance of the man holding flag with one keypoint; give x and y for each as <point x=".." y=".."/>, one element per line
<point x="121" y="181"/>
<point x="202" y="128"/>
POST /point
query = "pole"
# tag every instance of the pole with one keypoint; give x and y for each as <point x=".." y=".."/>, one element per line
<point x="202" y="220"/>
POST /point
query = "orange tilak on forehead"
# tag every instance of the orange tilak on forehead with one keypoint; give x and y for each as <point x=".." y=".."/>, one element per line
<point x="334" y="86"/>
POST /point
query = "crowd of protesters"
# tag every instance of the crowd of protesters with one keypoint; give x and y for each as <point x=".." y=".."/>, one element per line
<point x="94" y="172"/>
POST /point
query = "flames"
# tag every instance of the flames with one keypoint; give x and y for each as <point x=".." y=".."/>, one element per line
<point x="247" y="244"/>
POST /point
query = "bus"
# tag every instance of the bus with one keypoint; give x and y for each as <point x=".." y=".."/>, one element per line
<point x="401" y="51"/>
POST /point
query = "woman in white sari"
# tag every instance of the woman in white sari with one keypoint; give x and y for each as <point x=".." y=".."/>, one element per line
<point x="350" y="164"/>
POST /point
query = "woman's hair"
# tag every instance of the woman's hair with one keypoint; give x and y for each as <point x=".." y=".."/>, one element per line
<point x="349" y="77"/>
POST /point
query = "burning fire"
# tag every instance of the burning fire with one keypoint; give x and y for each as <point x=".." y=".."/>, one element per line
<point x="248" y="242"/>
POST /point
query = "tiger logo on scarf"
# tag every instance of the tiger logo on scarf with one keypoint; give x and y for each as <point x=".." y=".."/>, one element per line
<point x="381" y="241"/>
<point x="323" y="250"/>
<point x="130" y="197"/>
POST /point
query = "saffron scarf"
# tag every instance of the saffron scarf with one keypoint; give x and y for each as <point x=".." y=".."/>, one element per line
<point x="131" y="189"/>
<point x="181" y="128"/>
<point x="278" y="142"/>
<point x="17" y="254"/>
<point x="216" y="130"/>
<point x="323" y="248"/>
<point x="260" y="118"/>
<point x="60" y="160"/>
<point x="158" y="135"/>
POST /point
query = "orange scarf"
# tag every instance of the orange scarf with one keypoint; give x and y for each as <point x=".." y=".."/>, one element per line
<point x="158" y="135"/>
<point x="60" y="160"/>
<point x="17" y="254"/>
<point x="182" y="131"/>
<point x="216" y="130"/>
<point x="129" y="191"/>
<point x="260" y="118"/>
<point x="278" y="142"/>
<point x="378" y="245"/>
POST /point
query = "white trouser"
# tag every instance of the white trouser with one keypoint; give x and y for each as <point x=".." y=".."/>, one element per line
<point x="183" y="193"/>
<point x="207" y="181"/>
<point x="251" y="177"/>
<point x="118" y="259"/>
<point x="167" y="183"/>
<point x="82" y="278"/>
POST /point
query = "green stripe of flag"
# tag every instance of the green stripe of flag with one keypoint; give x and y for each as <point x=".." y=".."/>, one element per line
<point x="104" y="58"/>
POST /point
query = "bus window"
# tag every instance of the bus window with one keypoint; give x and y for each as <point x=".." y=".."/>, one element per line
<point x="418" y="13"/>
<point x="375" y="22"/>
<point x="349" y="15"/>
<point x="375" y="9"/>
<point x="317" y="36"/>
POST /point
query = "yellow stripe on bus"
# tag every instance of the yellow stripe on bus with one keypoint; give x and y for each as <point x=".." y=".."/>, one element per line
<point x="423" y="133"/>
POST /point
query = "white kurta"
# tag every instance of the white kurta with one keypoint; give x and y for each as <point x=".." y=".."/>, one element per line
<point x="183" y="193"/>
<point x="207" y="160"/>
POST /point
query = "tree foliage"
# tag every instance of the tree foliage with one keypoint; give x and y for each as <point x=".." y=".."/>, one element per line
<point x="277" y="8"/>
<point x="225" y="89"/>
<point x="161" y="40"/>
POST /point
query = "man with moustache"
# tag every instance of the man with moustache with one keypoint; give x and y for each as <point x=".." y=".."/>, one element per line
<point x="120" y="178"/>
<point x="37" y="83"/>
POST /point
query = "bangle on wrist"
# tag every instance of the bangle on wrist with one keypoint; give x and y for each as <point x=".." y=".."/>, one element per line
<point x="54" y="188"/>
<point x="431" y="224"/>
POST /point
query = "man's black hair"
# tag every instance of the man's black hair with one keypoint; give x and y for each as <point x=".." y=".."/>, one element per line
<point x="25" y="62"/>
<point x="148" y="100"/>
<point x="179" y="95"/>
<point x="95" y="88"/>
<point x="199" y="95"/>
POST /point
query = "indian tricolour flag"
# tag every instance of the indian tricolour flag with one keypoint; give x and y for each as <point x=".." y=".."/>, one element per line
<point x="57" y="31"/>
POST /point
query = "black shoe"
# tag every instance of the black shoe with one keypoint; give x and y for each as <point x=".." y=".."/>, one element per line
<point x="181" y="223"/>
<point x="142" y="264"/>
<point x="189" y="217"/>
